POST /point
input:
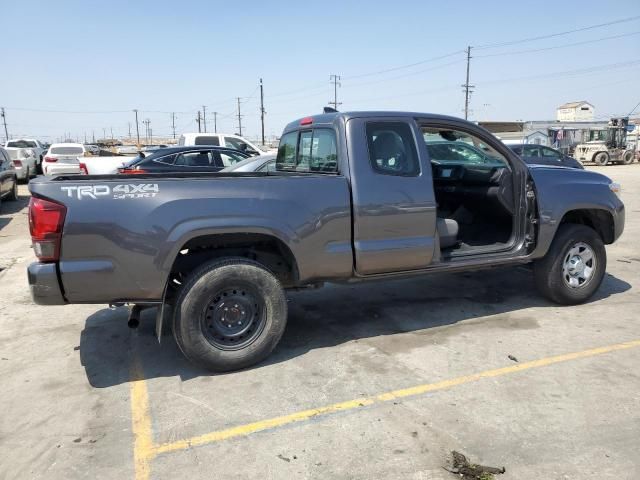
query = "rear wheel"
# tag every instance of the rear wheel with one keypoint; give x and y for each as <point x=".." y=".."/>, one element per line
<point x="627" y="157"/>
<point x="601" y="158"/>
<point x="573" y="268"/>
<point x="13" y="195"/>
<point x="230" y="314"/>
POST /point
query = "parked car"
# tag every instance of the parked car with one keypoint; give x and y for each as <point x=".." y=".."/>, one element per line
<point x="359" y="198"/>
<point x="185" y="159"/>
<point x="126" y="150"/>
<point x="64" y="158"/>
<point x="534" y="154"/>
<point x="93" y="149"/>
<point x="38" y="147"/>
<point x="24" y="161"/>
<point x="8" y="177"/>
<point x="103" y="164"/>
<point x="221" y="140"/>
<point x="262" y="163"/>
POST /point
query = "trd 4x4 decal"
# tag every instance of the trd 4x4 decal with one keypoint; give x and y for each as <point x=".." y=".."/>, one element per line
<point x="131" y="190"/>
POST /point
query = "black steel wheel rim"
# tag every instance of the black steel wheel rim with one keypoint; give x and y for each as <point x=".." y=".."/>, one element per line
<point x="234" y="317"/>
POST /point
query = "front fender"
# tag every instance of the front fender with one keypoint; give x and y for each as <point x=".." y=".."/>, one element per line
<point x="561" y="190"/>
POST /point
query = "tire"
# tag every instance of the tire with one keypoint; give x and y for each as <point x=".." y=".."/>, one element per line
<point x="558" y="268"/>
<point x="13" y="195"/>
<point x="627" y="157"/>
<point x="229" y="314"/>
<point x="27" y="176"/>
<point x="601" y="158"/>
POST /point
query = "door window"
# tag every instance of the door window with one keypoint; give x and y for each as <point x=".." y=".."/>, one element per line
<point x="532" y="151"/>
<point x="550" y="154"/>
<point x="392" y="149"/>
<point x="460" y="148"/>
<point x="193" y="159"/>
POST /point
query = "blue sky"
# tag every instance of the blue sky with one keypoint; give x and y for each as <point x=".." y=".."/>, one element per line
<point x="81" y="67"/>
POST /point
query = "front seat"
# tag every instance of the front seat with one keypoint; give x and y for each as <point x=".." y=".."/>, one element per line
<point x="447" y="229"/>
<point x="389" y="152"/>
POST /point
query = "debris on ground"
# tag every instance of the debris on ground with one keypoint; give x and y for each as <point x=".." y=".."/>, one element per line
<point x="511" y="357"/>
<point x="459" y="465"/>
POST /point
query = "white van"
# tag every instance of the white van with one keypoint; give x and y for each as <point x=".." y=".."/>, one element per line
<point x="221" y="140"/>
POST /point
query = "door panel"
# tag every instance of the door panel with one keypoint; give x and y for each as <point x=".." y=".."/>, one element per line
<point x="394" y="210"/>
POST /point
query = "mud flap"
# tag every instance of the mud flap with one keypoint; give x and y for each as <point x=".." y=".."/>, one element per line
<point x="163" y="310"/>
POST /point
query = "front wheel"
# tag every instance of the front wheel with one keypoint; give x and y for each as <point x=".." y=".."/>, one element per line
<point x="230" y="314"/>
<point x="13" y="195"/>
<point x="573" y="268"/>
<point x="601" y="158"/>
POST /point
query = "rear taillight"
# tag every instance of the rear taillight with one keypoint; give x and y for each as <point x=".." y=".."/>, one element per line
<point x="17" y="163"/>
<point x="83" y="168"/>
<point x="50" y="159"/>
<point x="46" y="219"/>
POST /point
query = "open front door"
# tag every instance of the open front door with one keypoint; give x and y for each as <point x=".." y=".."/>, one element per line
<point x="394" y="210"/>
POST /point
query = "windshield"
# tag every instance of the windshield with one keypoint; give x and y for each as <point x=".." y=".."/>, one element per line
<point x="22" y="144"/>
<point x="67" y="150"/>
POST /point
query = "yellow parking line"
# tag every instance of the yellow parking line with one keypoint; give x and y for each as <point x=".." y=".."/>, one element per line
<point x="140" y="423"/>
<point x="148" y="450"/>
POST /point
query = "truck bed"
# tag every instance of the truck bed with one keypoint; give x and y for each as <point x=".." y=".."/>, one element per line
<point x="122" y="234"/>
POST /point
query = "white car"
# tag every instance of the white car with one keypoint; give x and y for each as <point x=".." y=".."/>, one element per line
<point x="221" y="140"/>
<point x="36" y="145"/>
<point x="64" y="158"/>
<point x="25" y="162"/>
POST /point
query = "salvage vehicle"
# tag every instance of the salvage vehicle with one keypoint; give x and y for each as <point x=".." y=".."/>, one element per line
<point x="25" y="162"/>
<point x="534" y="154"/>
<point x="221" y="140"/>
<point x="356" y="197"/>
<point x="64" y="158"/>
<point x="184" y="160"/>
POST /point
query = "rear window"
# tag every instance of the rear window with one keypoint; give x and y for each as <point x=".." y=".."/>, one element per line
<point x="207" y="140"/>
<point x="22" y="144"/>
<point x="312" y="151"/>
<point x="67" y="150"/>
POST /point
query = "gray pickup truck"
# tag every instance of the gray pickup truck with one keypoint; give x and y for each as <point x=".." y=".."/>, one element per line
<point x="356" y="197"/>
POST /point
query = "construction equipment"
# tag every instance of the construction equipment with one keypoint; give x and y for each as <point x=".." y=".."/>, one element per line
<point x="611" y="147"/>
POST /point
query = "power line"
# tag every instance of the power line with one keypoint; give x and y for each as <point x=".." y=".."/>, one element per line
<point x="633" y="110"/>
<point x="557" y="34"/>
<point x="401" y="67"/>
<point x="558" y="46"/>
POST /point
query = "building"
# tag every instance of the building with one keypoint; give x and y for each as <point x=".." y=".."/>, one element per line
<point x="581" y="111"/>
<point x="547" y="132"/>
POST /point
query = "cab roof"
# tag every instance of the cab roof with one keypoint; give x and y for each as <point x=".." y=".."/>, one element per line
<point x="327" y="119"/>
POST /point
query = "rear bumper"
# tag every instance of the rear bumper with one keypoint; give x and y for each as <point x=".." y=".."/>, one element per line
<point x="44" y="284"/>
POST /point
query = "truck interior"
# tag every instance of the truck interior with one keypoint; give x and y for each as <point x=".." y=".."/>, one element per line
<point x="474" y="193"/>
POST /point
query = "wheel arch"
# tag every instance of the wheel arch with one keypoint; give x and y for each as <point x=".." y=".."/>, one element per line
<point x="264" y="248"/>
<point x="598" y="219"/>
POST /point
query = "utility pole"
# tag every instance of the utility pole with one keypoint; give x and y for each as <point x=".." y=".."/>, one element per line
<point x="129" y="123"/>
<point x="262" y="112"/>
<point x="104" y="133"/>
<point x="215" y="122"/>
<point x="239" y="119"/>
<point x="150" y="136"/>
<point x="336" y="82"/>
<point x="93" y="136"/>
<point x="173" y="124"/>
<point x="198" y="120"/>
<point x="467" y="88"/>
<point x="85" y="137"/>
<point x="137" y="127"/>
<point x="204" y="117"/>
<point x="147" y="124"/>
<point x="4" y="121"/>
<point x="111" y="133"/>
